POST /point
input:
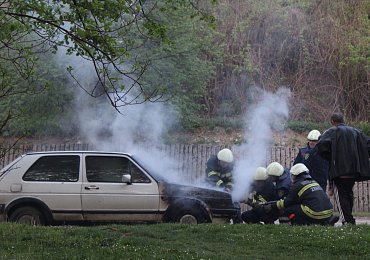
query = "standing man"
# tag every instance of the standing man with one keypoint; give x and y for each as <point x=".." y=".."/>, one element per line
<point x="219" y="170"/>
<point x="348" y="151"/>
<point x="309" y="156"/>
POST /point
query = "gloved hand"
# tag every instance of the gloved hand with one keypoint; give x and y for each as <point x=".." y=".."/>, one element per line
<point x="256" y="205"/>
<point x="251" y="195"/>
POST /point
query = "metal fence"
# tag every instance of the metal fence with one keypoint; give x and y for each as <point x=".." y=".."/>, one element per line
<point x="190" y="159"/>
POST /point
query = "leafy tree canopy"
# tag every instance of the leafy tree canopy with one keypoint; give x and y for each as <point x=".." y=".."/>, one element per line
<point x="103" y="32"/>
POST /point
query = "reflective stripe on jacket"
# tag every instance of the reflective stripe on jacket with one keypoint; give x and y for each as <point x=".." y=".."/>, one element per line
<point x="310" y="196"/>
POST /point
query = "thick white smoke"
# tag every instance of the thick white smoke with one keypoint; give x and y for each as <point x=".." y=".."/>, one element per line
<point x="267" y="114"/>
<point x="137" y="130"/>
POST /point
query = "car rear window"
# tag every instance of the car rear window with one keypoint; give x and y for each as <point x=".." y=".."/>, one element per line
<point x="111" y="169"/>
<point x="64" y="168"/>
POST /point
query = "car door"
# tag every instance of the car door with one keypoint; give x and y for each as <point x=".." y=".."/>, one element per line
<point x="106" y="198"/>
<point x="55" y="180"/>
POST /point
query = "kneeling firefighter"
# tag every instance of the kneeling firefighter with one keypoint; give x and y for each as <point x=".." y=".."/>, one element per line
<point x="262" y="190"/>
<point x="306" y="203"/>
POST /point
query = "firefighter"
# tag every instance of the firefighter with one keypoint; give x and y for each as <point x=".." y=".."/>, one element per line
<point x="309" y="156"/>
<point x="280" y="177"/>
<point x="219" y="170"/>
<point x="219" y="173"/>
<point x="262" y="190"/>
<point x="307" y="203"/>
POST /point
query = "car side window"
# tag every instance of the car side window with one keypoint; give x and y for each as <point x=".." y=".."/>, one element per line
<point x="137" y="176"/>
<point x="111" y="169"/>
<point x="61" y="168"/>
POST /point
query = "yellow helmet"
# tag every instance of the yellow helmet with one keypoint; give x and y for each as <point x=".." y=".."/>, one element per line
<point x="225" y="155"/>
<point x="260" y="174"/>
<point x="298" y="169"/>
<point x="275" y="169"/>
<point x="313" y="135"/>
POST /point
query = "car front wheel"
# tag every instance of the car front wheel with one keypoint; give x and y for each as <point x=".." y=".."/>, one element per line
<point x="191" y="216"/>
<point x="28" y="216"/>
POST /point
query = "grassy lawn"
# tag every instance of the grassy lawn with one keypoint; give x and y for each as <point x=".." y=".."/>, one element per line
<point x="175" y="241"/>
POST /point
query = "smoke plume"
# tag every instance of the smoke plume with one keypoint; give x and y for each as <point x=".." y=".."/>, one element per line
<point x="267" y="114"/>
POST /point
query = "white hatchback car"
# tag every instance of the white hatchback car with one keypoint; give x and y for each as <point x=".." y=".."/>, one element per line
<point x="47" y="188"/>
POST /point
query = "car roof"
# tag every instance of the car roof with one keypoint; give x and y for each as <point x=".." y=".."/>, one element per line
<point x="78" y="152"/>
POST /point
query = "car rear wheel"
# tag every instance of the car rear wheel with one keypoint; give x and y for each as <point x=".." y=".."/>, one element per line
<point x="28" y="216"/>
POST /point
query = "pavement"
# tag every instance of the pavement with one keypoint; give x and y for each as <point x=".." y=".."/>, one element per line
<point x="359" y="221"/>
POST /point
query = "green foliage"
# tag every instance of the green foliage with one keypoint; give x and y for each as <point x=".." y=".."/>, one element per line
<point x="174" y="241"/>
<point x="176" y="66"/>
<point x="303" y="126"/>
<point x="37" y="107"/>
<point x="363" y="126"/>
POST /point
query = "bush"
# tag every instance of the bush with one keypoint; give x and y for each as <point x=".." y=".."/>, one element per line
<point x="301" y="126"/>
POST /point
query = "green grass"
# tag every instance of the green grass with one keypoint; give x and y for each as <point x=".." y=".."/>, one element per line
<point x="175" y="241"/>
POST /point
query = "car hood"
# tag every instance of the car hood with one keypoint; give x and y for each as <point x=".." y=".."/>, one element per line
<point x="213" y="198"/>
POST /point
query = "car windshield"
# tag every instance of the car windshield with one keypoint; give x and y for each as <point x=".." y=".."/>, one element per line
<point x="149" y="168"/>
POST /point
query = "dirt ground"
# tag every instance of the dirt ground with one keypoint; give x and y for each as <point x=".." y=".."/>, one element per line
<point x="217" y="136"/>
<point x="220" y="136"/>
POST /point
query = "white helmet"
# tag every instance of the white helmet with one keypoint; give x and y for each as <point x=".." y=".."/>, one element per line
<point x="313" y="135"/>
<point x="260" y="174"/>
<point x="298" y="169"/>
<point x="225" y="155"/>
<point x="275" y="169"/>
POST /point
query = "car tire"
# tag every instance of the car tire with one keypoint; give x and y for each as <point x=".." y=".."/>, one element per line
<point x="28" y="216"/>
<point x="193" y="215"/>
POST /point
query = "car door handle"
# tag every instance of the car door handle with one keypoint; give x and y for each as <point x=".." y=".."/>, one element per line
<point x="91" y="188"/>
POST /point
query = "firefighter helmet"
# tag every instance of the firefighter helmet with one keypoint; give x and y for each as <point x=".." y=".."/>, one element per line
<point x="298" y="169"/>
<point x="260" y="174"/>
<point x="225" y="155"/>
<point x="313" y="135"/>
<point x="275" y="169"/>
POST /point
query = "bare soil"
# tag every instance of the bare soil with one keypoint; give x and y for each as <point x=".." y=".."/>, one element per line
<point x="225" y="137"/>
<point x="218" y="136"/>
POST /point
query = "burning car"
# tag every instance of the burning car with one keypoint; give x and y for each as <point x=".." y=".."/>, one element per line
<point x="45" y="188"/>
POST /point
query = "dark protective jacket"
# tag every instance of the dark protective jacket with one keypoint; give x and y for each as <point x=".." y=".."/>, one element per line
<point x="318" y="166"/>
<point x="265" y="191"/>
<point x="218" y="176"/>
<point x="347" y="150"/>
<point x="312" y="199"/>
<point x="283" y="184"/>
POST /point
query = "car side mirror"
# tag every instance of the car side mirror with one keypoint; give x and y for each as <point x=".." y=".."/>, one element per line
<point x="126" y="178"/>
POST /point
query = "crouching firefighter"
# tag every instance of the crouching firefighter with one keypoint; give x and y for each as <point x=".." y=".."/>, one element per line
<point x="262" y="190"/>
<point x="219" y="173"/>
<point x="306" y="203"/>
<point x="219" y="170"/>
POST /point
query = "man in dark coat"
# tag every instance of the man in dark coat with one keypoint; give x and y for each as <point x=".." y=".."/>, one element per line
<point x="348" y="151"/>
